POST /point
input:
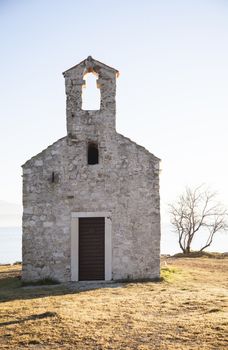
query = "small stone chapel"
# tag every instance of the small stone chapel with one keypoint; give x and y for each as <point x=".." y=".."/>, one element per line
<point x="91" y="199"/>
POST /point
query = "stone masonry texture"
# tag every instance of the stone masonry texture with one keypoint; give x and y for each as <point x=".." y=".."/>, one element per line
<point x="59" y="181"/>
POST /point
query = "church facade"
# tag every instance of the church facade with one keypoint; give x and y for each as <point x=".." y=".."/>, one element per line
<point x="91" y="200"/>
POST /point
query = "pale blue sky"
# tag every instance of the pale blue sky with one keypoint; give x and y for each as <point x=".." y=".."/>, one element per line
<point x="172" y="93"/>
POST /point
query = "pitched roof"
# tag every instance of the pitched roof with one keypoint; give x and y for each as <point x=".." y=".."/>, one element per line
<point x="90" y="60"/>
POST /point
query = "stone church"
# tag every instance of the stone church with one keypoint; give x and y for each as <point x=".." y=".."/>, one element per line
<point x="91" y="199"/>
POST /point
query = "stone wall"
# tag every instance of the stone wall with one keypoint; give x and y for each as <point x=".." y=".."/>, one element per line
<point x="58" y="181"/>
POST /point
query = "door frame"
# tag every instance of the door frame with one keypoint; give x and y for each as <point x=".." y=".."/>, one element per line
<point x="75" y="216"/>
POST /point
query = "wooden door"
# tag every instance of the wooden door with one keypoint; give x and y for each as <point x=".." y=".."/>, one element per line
<point x="91" y="249"/>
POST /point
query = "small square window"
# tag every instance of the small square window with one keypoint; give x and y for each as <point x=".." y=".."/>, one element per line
<point x="92" y="153"/>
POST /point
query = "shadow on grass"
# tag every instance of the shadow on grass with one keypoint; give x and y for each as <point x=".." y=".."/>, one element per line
<point x="42" y="282"/>
<point x="29" y="318"/>
<point x="12" y="288"/>
<point x="10" y="283"/>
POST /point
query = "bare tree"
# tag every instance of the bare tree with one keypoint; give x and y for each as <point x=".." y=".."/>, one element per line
<point x="195" y="211"/>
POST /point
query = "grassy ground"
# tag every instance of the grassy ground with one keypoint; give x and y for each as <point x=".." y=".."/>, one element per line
<point x="185" y="311"/>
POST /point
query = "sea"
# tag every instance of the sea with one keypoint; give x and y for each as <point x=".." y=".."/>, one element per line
<point x="11" y="243"/>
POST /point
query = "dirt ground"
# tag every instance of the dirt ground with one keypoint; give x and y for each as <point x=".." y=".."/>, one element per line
<point x="187" y="310"/>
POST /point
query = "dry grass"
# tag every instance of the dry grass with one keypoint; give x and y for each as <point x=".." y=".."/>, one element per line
<point x="185" y="311"/>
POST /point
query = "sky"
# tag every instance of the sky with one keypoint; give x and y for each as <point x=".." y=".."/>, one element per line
<point x="171" y="93"/>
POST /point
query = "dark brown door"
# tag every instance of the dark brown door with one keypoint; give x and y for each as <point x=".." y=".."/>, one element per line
<point x="91" y="249"/>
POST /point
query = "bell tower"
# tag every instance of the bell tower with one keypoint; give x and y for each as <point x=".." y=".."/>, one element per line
<point x="85" y="124"/>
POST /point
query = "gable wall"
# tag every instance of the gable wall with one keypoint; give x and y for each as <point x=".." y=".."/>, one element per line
<point x="125" y="182"/>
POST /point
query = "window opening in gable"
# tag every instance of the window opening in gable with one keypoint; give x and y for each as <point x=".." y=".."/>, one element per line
<point x="91" y="97"/>
<point x="93" y="154"/>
